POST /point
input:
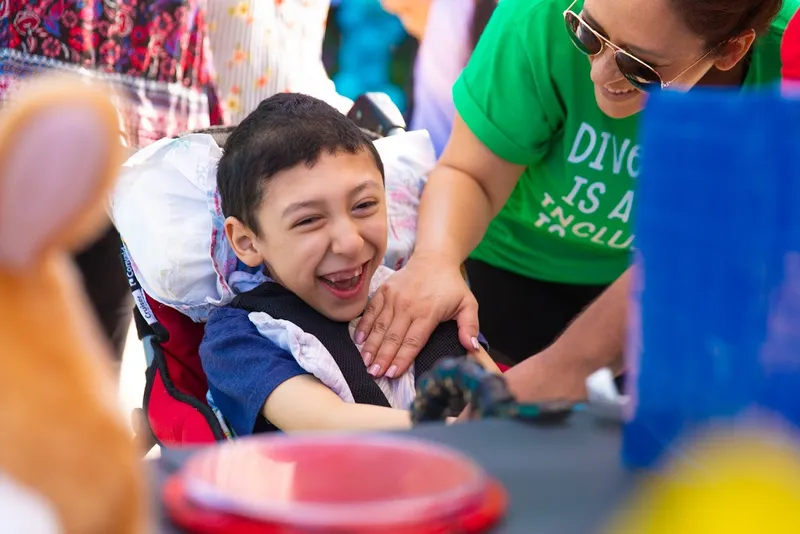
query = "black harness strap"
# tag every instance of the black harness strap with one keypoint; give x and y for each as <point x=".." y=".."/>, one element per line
<point x="279" y="303"/>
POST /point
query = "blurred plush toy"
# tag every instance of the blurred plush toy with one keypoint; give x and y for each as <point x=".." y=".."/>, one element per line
<point x="729" y="483"/>
<point x="67" y="462"/>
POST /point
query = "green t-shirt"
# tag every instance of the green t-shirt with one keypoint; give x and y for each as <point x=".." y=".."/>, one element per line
<point x="527" y="95"/>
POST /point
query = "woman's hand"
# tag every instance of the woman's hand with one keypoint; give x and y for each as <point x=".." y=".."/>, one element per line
<point x="408" y="307"/>
<point x="468" y="187"/>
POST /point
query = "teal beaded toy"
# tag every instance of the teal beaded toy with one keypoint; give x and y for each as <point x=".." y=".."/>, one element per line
<point x="456" y="382"/>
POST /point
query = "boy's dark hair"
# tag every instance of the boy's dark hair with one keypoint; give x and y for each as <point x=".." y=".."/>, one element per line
<point x="286" y="130"/>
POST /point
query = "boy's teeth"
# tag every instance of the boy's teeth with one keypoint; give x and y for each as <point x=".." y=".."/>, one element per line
<point x="338" y="277"/>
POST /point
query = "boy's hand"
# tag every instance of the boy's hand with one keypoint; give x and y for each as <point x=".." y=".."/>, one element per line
<point x="464" y="416"/>
<point x="485" y="361"/>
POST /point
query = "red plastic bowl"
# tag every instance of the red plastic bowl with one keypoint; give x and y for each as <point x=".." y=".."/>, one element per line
<point x="350" y="483"/>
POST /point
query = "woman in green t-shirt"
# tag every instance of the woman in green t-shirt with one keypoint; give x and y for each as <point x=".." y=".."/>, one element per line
<point x="535" y="189"/>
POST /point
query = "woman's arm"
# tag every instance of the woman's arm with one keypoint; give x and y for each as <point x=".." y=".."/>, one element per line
<point x="595" y="339"/>
<point x="468" y="187"/>
<point x="305" y="403"/>
<point x="507" y="119"/>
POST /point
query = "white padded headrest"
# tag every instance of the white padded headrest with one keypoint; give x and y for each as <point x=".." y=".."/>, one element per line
<point x="166" y="208"/>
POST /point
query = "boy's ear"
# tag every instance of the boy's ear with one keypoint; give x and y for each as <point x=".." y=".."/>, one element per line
<point x="243" y="241"/>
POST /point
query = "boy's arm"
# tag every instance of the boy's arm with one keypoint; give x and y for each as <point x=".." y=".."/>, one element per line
<point x="322" y="409"/>
<point x="486" y="361"/>
<point x="305" y="403"/>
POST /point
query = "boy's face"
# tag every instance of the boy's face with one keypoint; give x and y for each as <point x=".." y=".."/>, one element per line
<point x="323" y="232"/>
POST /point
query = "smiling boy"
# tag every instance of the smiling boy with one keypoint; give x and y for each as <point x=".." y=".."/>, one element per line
<point x="302" y="188"/>
<point x="321" y="227"/>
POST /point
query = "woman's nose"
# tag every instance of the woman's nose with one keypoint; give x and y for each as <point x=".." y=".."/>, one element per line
<point x="604" y="67"/>
<point x="346" y="239"/>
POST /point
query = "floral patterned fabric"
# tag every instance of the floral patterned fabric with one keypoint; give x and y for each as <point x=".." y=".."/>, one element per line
<point x="264" y="47"/>
<point x="154" y="54"/>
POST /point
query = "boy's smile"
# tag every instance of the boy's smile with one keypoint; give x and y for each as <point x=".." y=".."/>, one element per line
<point x="323" y="232"/>
<point x="345" y="284"/>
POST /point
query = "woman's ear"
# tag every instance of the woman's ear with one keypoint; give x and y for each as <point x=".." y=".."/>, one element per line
<point x="243" y="241"/>
<point x="732" y="52"/>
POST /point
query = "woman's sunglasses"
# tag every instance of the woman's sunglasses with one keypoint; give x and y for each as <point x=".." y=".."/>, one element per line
<point x="641" y="75"/>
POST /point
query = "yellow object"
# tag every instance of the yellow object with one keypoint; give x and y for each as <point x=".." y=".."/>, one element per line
<point x="62" y="438"/>
<point x="728" y="484"/>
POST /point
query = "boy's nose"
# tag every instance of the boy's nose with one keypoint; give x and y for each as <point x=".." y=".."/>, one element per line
<point x="346" y="240"/>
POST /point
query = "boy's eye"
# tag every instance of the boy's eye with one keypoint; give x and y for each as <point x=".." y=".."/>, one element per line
<point x="366" y="205"/>
<point x="306" y="222"/>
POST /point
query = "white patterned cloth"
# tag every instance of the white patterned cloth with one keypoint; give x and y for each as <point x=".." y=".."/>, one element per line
<point x="264" y="47"/>
<point x="311" y="354"/>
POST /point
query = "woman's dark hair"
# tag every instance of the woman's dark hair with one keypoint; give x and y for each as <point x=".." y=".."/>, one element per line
<point x="480" y="18"/>
<point x="720" y="20"/>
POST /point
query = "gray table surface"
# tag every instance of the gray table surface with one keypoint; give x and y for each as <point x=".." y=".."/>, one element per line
<point x="562" y="479"/>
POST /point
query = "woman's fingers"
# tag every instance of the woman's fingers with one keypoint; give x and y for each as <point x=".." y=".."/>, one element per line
<point x="394" y="338"/>
<point x="396" y="359"/>
<point x="467" y="320"/>
<point x="365" y="324"/>
<point x="380" y="324"/>
<point x="405" y="311"/>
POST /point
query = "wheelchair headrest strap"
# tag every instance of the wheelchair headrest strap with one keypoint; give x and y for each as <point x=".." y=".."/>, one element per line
<point x="145" y="311"/>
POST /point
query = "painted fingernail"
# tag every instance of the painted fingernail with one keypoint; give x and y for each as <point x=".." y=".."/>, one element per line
<point x="367" y="358"/>
<point x="374" y="370"/>
<point x="360" y="337"/>
<point x="392" y="370"/>
<point x="475" y="344"/>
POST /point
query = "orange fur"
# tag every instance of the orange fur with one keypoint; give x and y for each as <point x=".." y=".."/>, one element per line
<point x="61" y="432"/>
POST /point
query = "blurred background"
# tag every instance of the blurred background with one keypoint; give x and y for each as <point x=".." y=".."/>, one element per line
<point x="175" y="66"/>
<point x="367" y="49"/>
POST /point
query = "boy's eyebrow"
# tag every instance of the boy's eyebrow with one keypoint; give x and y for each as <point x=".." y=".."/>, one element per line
<point x="366" y="184"/>
<point x="295" y="206"/>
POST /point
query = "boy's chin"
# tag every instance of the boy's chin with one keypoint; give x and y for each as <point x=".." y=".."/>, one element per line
<point x="343" y="313"/>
